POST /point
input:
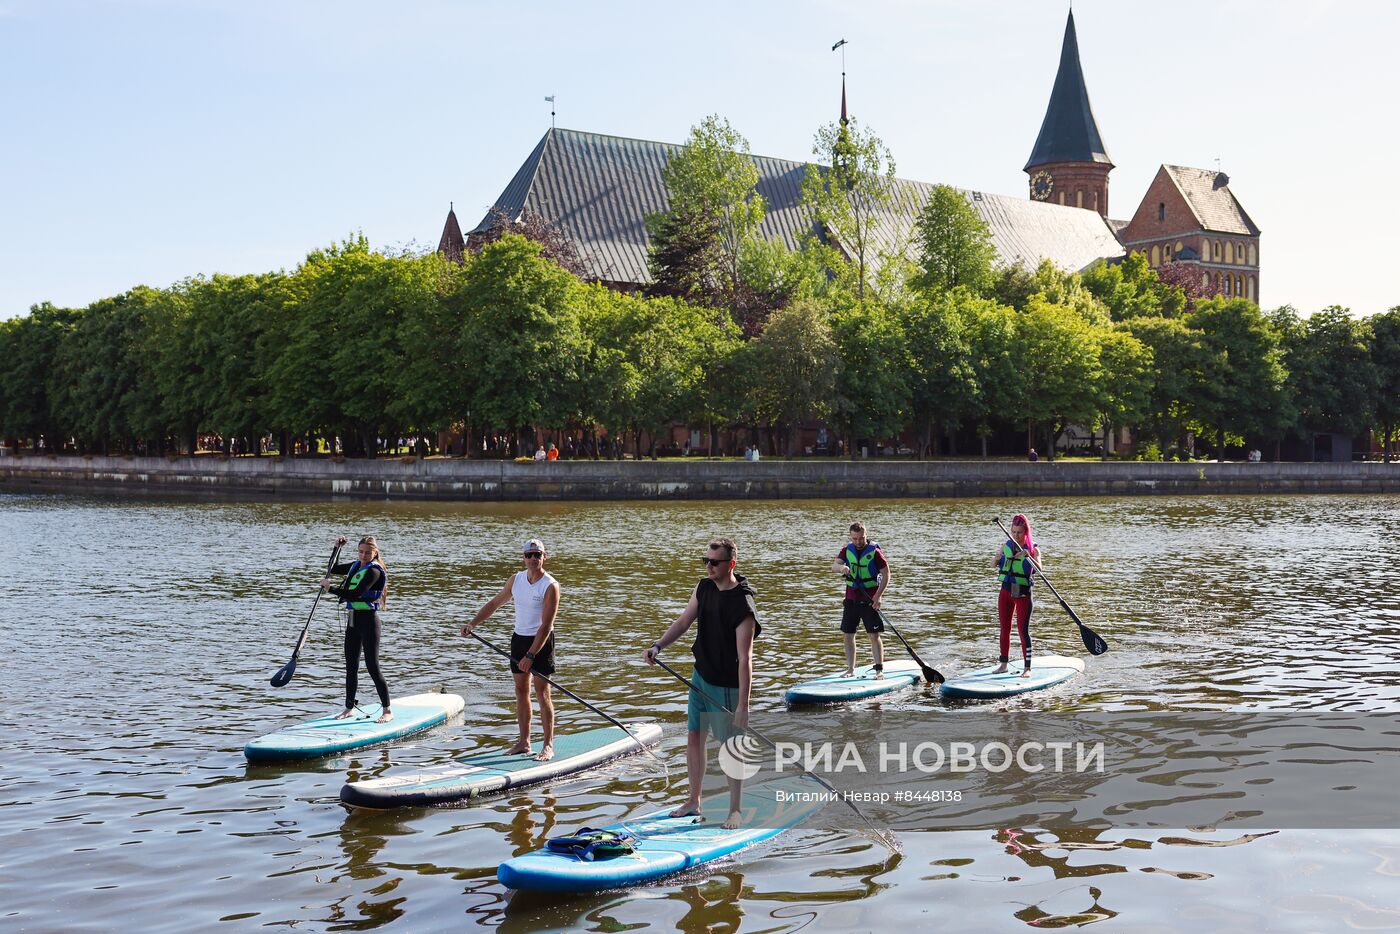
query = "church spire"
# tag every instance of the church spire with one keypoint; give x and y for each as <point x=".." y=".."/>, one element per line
<point x="452" y="245"/>
<point x="844" y="121"/>
<point x="1069" y="132"/>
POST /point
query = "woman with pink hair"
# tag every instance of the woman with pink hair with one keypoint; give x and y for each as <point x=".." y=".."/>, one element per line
<point x="1014" y="569"/>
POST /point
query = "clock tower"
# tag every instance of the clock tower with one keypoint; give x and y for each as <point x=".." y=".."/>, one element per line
<point x="1069" y="164"/>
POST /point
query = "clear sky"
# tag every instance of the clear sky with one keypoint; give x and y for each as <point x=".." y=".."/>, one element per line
<point x="148" y="140"/>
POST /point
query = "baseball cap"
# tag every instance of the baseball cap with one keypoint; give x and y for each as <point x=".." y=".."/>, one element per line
<point x="533" y="544"/>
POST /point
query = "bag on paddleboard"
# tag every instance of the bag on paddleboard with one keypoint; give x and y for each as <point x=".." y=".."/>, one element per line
<point x="592" y="844"/>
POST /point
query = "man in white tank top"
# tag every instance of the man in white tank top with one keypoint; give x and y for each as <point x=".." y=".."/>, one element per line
<point x="536" y="597"/>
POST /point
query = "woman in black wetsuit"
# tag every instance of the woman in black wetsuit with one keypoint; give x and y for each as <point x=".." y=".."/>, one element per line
<point x="363" y="594"/>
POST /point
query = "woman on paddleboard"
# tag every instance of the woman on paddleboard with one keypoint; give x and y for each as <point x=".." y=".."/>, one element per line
<point x="1014" y="570"/>
<point x="362" y="592"/>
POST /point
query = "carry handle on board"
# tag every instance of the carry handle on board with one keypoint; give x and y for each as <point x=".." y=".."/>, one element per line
<point x="1092" y="642"/>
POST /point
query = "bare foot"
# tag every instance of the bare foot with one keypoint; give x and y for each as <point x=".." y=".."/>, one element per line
<point x="850" y="673"/>
<point x="346" y="713"/>
<point x="386" y="716"/>
<point x="519" y="748"/>
<point x="546" y="753"/>
<point x="1026" y="673"/>
<point x="734" y="821"/>
<point x="1000" y="669"/>
<point x="879" y="675"/>
<point x="689" y="809"/>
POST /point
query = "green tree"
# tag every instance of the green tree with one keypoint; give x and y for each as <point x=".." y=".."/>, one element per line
<point x="851" y="192"/>
<point x="796" y="362"/>
<point x="522" y="333"/>
<point x="1057" y="353"/>
<point x="939" y="371"/>
<point x="1331" y="371"/>
<point x="1241" y="390"/>
<point x="1385" y="357"/>
<point x="1177" y="358"/>
<point x="992" y="346"/>
<point x="1125" y="387"/>
<point x="954" y="245"/>
<point x="1132" y="289"/>
<point x="29" y="348"/>
<point x="872" y="389"/>
<point x="714" y="210"/>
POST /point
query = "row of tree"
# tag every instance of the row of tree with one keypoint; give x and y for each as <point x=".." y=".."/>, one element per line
<point x="876" y="337"/>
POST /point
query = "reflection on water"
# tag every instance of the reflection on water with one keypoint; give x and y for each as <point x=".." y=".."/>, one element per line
<point x="142" y="635"/>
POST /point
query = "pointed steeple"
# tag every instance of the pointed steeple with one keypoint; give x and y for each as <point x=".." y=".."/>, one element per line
<point x="452" y="245"/>
<point x="1069" y="133"/>
<point x="844" y="120"/>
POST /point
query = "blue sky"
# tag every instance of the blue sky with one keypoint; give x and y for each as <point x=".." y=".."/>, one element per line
<point x="148" y="140"/>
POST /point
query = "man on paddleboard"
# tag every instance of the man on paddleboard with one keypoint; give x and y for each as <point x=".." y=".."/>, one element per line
<point x="723" y="605"/>
<point x="536" y="597"/>
<point x="867" y="574"/>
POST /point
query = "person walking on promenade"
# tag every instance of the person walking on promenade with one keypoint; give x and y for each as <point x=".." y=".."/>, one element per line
<point x="867" y="573"/>
<point x="723" y="605"/>
<point x="362" y="593"/>
<point x="1014" y="570"/>
<point x="535" y="594"/>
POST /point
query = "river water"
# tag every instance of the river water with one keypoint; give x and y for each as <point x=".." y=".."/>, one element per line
<point x="142" y="633"/>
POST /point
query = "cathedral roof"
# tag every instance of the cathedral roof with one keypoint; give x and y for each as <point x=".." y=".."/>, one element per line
<point x="1069" y="133"/>
<point x="451" y="244"/>
<point x="1210" y="199"/>
<point x="599" y="189"/>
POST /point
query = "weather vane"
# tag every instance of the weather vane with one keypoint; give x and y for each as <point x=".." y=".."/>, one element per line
<point x="550" y="99"/>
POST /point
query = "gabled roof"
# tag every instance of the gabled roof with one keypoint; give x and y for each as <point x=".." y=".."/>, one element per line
<point x="599" y="189"/>
<point x="1208" y="195"/>
<point x="1069" y="133"/>
<point x="451" y="245"/>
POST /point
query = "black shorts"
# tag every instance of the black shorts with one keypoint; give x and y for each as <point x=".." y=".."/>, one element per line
<point x="853" y="612"/>
<point x="544" y="658"/>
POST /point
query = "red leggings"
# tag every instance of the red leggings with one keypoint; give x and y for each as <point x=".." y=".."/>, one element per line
<point x="1022" y="605"/>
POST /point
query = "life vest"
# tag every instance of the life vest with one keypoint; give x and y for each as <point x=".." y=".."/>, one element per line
<point x="858" y="566"/>
<point x="591" y="844"/>
<point x="369" y="600"/>
<point x="1014" y="571"/>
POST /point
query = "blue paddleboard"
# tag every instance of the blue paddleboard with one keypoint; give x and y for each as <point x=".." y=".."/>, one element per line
<point x="1046" y="671"/>
<point x="668" y="845"/>
<point x="484" y="773"/>
<point x="327" y="736"/>
<point x="838" y="688"/>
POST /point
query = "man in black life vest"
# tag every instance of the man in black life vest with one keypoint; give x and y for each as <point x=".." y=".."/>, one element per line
<point x="722" y="606"/>
<point x="867" y="574"/>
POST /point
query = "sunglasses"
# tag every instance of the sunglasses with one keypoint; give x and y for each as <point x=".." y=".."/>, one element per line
<point x="534" y="554"/>
<point x="714" y="562"/>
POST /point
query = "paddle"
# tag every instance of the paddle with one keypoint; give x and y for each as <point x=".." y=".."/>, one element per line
<point x="931" y="675"/>
<point x="1092" y="642"/>
<point x="284" y="674"/>
<point x="817" y="778"/>
<point x="643" y="746"/>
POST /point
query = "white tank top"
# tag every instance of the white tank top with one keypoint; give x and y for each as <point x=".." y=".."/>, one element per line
<point x="529" y="601"/>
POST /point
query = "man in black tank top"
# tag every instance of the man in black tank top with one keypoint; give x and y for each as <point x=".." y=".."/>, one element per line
<point x="723" y="605"/>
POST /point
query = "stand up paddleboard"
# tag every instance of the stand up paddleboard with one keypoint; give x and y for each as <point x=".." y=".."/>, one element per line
<point x="484" y="773"/>
<point x="838" y="688"/>
<point x="667" y="845"/>
<point x="1046" y="671"/>
<point x="327" y="736"/>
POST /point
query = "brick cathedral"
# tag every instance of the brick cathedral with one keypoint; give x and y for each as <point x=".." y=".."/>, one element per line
<point x="598" y="189"/>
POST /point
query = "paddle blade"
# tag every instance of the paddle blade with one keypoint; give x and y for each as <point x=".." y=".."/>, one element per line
<point x="932" y="676"/>
<point x="1092" y="642"/>
<point x="284" y="674"/>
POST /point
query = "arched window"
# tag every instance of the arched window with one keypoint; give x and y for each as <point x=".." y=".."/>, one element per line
<point x="1205" y="249"/>
<point x="1156" y="256"/>
<point x="1167" y="253"/>
<point x="1161" y="211"/>
<point x="1179" y="247"/>
<point x="1079" y="198"/>
<point x="1094" y="200"/>
<point x="1253" y="256"/>
<point x="1229" y="252"/>
<point x="1239" y="284"/>
<point x="1253" y="290"/>
<point x="1239" y="253"/>
<point x="1219" y="251"/>
<point x="1062" y="197"/>
<point x="1218" y="286"/>
<point x="1205" y="280"/>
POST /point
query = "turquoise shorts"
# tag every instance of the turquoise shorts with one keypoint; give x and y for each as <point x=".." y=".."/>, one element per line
<point x="705" y="713"/>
